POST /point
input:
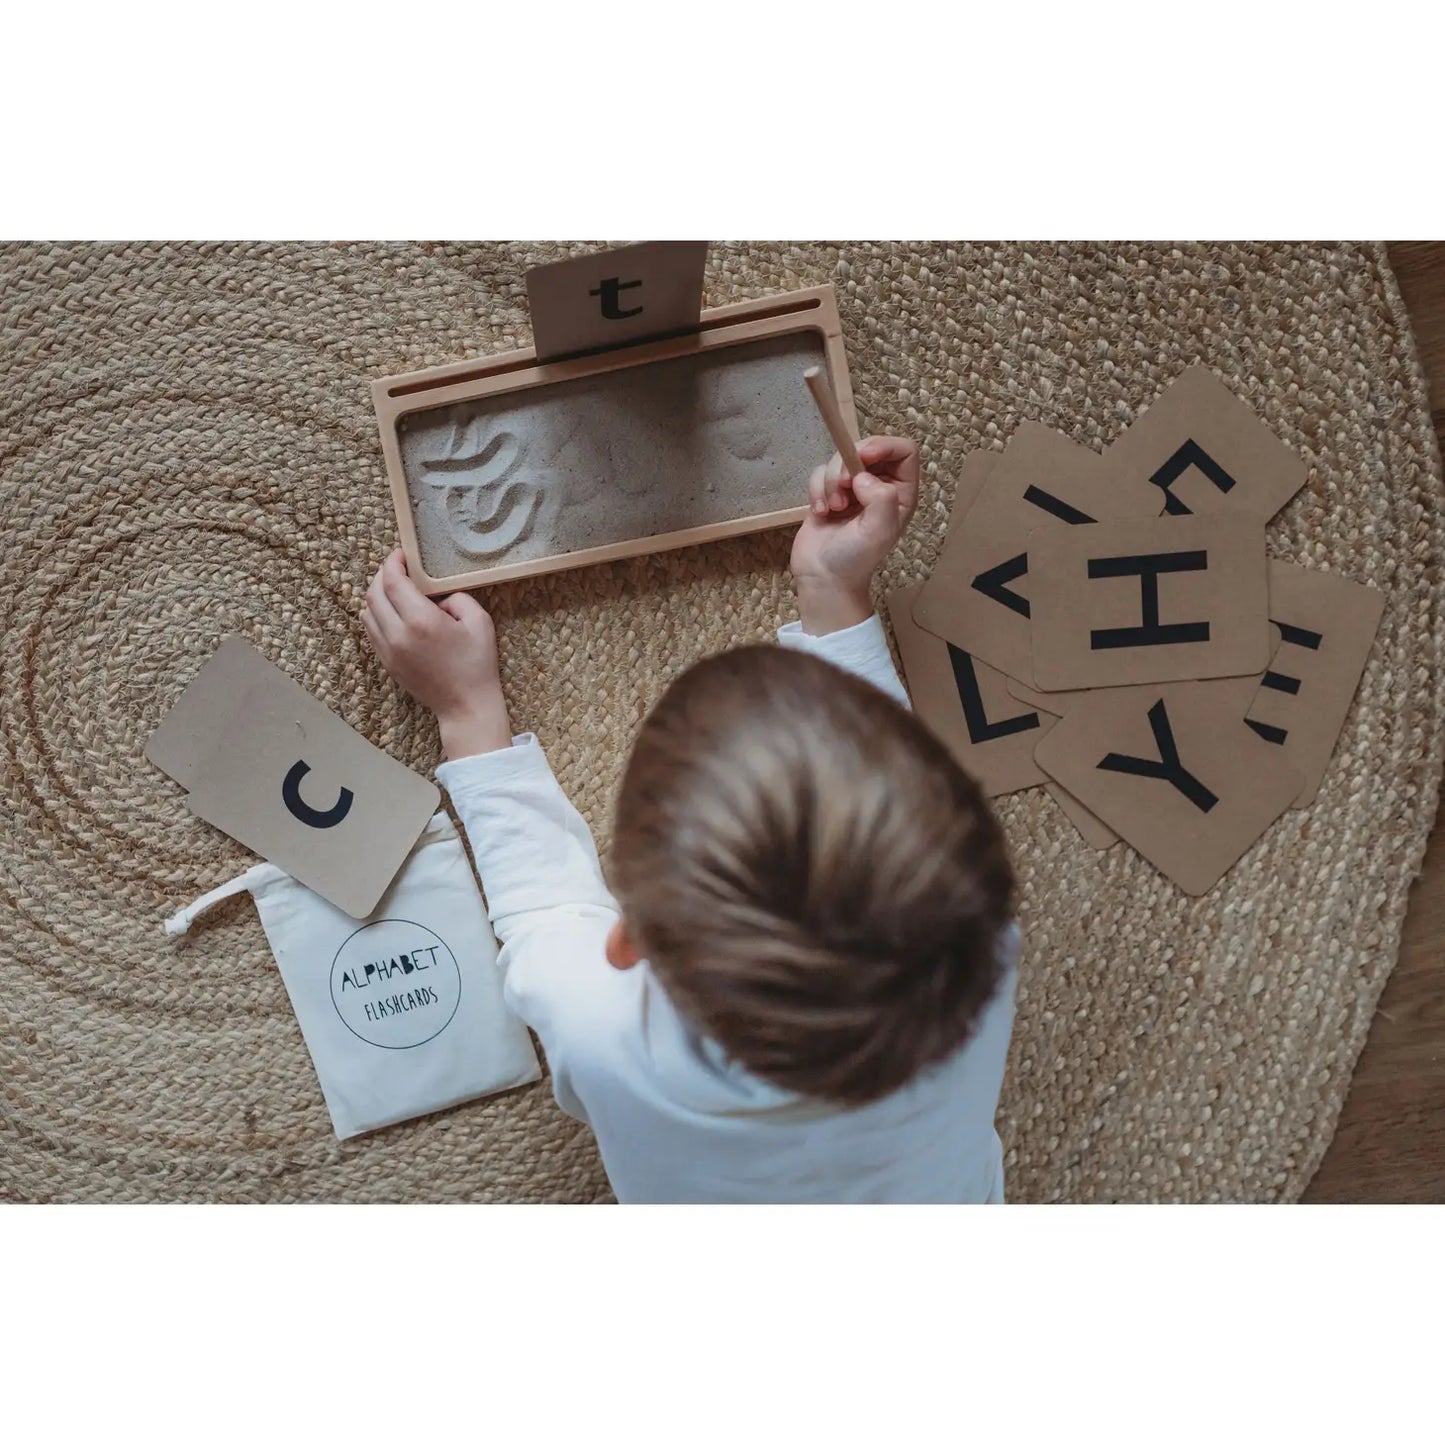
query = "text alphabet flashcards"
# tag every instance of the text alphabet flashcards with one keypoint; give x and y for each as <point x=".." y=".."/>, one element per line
<point x="1151" y="600"/>
<point x="1206" y="451"/>
<point x="978" y="597"/>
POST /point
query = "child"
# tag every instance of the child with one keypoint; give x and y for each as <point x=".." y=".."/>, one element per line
<point x="802" y="986"/>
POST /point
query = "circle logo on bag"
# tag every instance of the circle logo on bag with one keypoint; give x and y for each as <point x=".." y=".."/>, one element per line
<point x="395" y="984"/>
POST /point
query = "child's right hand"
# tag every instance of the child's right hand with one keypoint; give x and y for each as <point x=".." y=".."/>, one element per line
<point x="853" y="524"/>
<point x="444" y="654"/>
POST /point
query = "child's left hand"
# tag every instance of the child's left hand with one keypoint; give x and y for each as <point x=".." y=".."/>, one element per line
<point x="853" y="524"/>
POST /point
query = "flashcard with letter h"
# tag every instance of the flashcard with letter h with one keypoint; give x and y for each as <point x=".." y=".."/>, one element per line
<point x="1173" y="769"/>
<point x="1153" y="600"/>
<point x="979" y="596"/>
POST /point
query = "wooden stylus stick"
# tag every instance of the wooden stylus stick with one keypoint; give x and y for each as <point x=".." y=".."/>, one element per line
<point x="833" y="419"/>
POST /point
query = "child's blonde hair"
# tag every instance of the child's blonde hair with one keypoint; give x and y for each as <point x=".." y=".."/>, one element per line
<point x="817" y="884"/>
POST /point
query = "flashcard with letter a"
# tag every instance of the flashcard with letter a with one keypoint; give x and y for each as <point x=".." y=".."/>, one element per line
<point x="1207" y="451"/>
<point x="1328" y="626"/>
<point x="967" y="705"/>
<point x="979" y="594"/>
<point x="1151" y="600"/>
<point x="289" y="779"/>
<point x="1175" y="771"/>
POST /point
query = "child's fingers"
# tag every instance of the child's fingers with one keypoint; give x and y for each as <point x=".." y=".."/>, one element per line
<point x="870" y="490"/>
<point x="817" y="490"/>
<point x="896" y="459"/>
<point x="882" y="502"/>
<point x="383" y="614"/>
<point x="837" y="484"/>
<point x="373" y="632"/>
<point x="403" y="594"/>
<point x="896" y="456"/>
<point x="465" y="608"/>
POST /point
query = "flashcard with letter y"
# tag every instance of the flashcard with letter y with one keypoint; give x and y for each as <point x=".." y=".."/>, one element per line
<point x="1174" y="770"/>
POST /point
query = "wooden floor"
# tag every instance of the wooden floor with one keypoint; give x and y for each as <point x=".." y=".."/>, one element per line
<point x="1390" y="1146"/>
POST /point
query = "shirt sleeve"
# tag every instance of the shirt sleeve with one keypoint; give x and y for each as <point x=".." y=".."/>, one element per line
<point x="861" y="650"/>
<point x="546" y="897"/>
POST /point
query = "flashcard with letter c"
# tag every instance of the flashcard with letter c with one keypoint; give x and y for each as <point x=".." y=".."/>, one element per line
<point x="277" y="770"/>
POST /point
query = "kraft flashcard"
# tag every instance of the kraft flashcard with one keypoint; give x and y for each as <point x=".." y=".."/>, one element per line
<point x="612" y="297"/>
<point x="1060" y="702"/>
<point x="1233" y="692"/>
<point x="1175" y="771"/>
<point x="1057" y="703"/>
<point x="189" y="730"/>
<point x="1206" y="451"/>
<point x="288" y="778"/>
<point x="1327" y="626"/>
<point x="1094" y="831"/>
<point x="977" y="468"/>
<point x="1149" y="600"/>
<point x="979" y="596"/>
<point x="1092" y="828"/>
<point x="966" y="704"/>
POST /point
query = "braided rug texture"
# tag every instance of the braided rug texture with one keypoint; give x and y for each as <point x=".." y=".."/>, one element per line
<point x="187" y="450"/>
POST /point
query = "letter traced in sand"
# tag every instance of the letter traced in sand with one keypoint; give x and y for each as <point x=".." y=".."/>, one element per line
<point x="487" y="511"/>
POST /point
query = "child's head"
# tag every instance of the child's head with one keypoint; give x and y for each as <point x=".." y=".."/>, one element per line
<point x="816" y="882"/>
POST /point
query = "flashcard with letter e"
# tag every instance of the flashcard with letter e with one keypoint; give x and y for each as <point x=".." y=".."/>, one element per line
<point x="289" y="779"/>
<point x="1206" y="451"/>
<point x="1149" y="600"/>
<point x="1175" y="771"/>
<point x="979" y="594"/>
<point x="1327" y="625"/>
<point x="966" y="704"/>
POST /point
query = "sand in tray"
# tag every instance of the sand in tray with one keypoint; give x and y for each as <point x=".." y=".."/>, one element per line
<point x="608" y="458"/>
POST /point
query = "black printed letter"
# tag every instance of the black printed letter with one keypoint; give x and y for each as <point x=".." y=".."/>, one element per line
<point x="611" y="306"/>
<point x="1168" y="767"/>
<point x="994" y="582"/>
<point x="980" y="729"/>
<point x="313" y="817"/>
<point x="1191" y="454"/>
<point x="1282" y="681"/>
<point x="1147" y="568"/>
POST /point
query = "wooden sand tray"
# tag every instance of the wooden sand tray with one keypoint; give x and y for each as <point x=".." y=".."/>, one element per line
<point x="512" y="466"/>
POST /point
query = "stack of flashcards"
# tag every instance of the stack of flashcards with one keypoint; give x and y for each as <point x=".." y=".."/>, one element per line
<point x="1111" y="628"/>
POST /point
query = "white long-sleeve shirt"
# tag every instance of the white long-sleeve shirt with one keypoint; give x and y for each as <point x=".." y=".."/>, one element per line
<point x="675" y="1119"/>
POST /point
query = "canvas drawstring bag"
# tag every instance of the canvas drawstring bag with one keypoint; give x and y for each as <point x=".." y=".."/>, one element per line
<point x="402" y="1011"/>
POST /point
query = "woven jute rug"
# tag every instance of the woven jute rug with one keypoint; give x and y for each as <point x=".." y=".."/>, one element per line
<point x="187" y="450"/>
